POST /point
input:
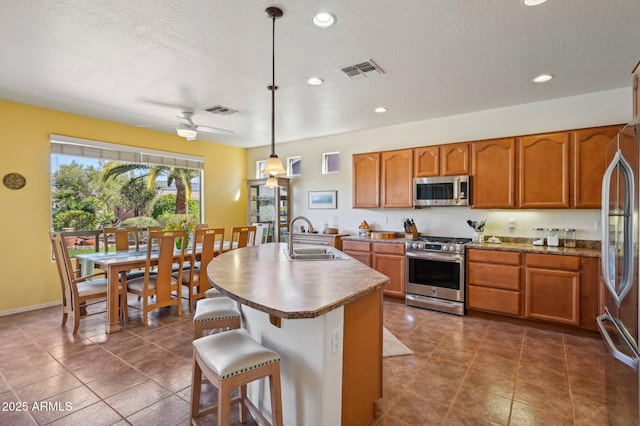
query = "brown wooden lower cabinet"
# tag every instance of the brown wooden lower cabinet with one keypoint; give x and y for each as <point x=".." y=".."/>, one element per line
<point x="494" y="300"/>
<point x="552" y="288"/>
<point x="359" y="250"/>
<point x="493" y="281"/>
<point x="558" y="289"/>
<point x="387" y="258"/>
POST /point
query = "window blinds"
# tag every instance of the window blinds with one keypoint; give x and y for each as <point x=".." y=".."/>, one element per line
<point x="67" y="145"/>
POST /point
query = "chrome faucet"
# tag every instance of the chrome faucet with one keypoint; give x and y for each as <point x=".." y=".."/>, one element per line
<point x="291" y="230"/>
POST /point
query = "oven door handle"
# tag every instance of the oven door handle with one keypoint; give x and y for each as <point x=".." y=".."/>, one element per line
<point x="435" y="256"/>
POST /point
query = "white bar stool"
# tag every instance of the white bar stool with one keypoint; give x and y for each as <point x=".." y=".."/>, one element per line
<point x="212" y="292"/>
<point x="230" y="359"/>
<point x="215" y="313"/>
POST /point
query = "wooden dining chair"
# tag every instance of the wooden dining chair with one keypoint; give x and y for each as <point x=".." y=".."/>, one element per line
<point x="195" y="277"/>
<point x="219" y="241"/>
<point x="121" y="238"/>
<point x="200" y="226"/>
<point x="242" y="236"/>
<point x="159" y="283"/>
<point x="78" y="292"/>
<point x="262" y="232"/>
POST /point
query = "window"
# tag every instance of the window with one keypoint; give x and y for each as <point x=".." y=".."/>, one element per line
<point x="82" y="199"/>
<point x="330" y="163"/>
<point x="294" y="166"/>
<point x="260" y="165"/>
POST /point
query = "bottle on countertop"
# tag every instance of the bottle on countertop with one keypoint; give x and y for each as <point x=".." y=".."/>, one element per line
<point x="569" y="237"/>
<point x="538" y="236"/>
<point x="553" y="237"/>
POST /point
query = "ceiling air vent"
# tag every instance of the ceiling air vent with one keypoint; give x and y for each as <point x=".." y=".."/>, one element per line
<point x="221" y="110"/>
<point x="363" y="69"/>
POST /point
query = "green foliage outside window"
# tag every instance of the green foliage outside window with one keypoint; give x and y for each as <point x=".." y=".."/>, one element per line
<point x="77" y="219"/>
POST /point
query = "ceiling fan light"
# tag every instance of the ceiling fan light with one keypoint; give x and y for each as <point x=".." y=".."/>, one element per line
<point x="274" y="166"/>
<point x="186" y="131"/>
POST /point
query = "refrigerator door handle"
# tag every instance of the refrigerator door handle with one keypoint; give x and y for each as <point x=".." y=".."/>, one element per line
<point x="626" y="281"/>
<point x="625" y="359"/>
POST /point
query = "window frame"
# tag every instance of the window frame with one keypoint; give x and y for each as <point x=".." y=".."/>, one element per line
<point x="78" y="148"/>
<point x="325" y="162"/>
<point x="290" y="161"/>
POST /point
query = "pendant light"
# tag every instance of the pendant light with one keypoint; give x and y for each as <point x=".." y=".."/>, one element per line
<point x="274" y="166"/>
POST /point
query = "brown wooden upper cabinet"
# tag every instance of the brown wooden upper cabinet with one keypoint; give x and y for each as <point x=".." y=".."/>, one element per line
<point x="589" y="164"/>
<point x="554" y="170"/>
<point x="383" y="179"/>
<point x="397" y="178"/>
<point x="441" y="160"/>
<point x="551" y="170"/>
<point x="543" y="165"/>
<point x="493" y="165"/>
<point x="366" y="180"/>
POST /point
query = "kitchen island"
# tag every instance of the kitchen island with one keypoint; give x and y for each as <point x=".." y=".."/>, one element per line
<point x="324" y="318"/>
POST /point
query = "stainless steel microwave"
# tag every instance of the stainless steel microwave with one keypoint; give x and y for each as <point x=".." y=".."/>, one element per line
<point x="442" y="191"/>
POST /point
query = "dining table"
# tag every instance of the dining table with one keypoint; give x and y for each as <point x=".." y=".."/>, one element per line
<point x="114" y="263"/>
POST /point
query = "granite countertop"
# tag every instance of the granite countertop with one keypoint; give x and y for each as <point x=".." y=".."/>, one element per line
<point x="262" y="277"/>
<point x="398" y="240"/>
<point x="305" y="234"/>
<point x="585" y="248"/>
<point x="530" y="248"/>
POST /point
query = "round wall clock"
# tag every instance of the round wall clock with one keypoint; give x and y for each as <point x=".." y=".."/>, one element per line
<point x="14" y="181"/>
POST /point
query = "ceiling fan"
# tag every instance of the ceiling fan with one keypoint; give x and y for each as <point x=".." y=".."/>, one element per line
<point x="189" y="130"/>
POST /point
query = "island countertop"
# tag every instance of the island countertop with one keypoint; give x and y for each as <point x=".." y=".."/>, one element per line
<point x="263" y="278"/>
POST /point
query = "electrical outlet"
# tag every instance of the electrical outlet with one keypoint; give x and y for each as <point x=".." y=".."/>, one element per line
<point x="596" y="225"/>
<point x="335" y="341"/>
<point x="512" y="224"/>
<point x="386" y="220"/>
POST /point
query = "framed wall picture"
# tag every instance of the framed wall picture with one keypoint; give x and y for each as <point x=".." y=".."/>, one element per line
<point x="323" y="199"/>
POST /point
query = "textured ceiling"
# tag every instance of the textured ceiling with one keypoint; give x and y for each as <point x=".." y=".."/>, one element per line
<point x="145" y="61"/>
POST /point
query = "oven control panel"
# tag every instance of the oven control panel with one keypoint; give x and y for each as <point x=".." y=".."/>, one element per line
<point x="426" y="246"/>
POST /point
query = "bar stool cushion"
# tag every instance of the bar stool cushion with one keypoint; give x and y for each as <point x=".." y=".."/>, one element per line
<point x="215" y="309"/>
<point x="212" y="292"/>
<point x="232" y="352"/>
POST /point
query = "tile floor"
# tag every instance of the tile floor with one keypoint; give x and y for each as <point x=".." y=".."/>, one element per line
<point x="465" y="370"/>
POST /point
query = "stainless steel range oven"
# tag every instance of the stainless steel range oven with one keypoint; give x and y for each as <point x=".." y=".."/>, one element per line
<point x="435" y="274"/>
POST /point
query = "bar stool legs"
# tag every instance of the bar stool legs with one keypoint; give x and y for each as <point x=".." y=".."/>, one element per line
<point x="215" y="313"/>
<point x="229" y="360"/>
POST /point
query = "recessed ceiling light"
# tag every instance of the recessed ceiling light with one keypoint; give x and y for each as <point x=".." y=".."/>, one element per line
<point x="532" y="2"/>
<point x="314" y="81"/>
<point x="542" y="78"/>
<point x="324" y="19"/>
<point x="380" y="110"/>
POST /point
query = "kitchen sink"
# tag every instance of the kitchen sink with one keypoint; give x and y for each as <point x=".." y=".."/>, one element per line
<point x="314" y="254"/>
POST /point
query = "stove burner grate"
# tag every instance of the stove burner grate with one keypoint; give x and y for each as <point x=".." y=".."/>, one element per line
<point x="443" y="240"/>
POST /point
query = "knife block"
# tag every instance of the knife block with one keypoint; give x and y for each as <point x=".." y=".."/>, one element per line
<point x="413" y="232"/>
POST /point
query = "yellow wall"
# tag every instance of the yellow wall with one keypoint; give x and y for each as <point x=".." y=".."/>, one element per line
<point x="28" y="277"/>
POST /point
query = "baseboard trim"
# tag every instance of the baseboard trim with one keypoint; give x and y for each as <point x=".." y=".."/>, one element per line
<point x="29" y="308"/>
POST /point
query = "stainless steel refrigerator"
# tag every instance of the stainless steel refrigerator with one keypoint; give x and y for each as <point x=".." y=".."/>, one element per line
<point x="620" y="237"/>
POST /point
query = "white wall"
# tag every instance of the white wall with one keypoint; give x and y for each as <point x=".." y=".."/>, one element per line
<point x="595" y="109"/>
